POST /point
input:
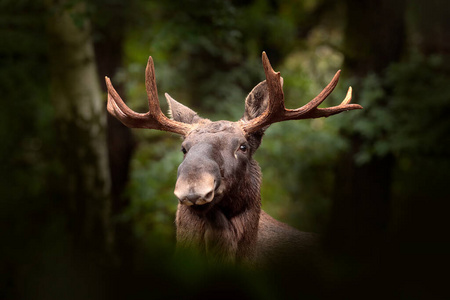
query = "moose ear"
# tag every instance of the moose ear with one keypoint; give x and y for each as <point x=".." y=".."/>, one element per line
<point x="255" y="104"/>
<point x="257" y="100"/>
<point x="181" y="113"/>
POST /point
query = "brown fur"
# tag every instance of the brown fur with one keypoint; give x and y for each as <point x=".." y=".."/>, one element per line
<point x="228" y="230"/>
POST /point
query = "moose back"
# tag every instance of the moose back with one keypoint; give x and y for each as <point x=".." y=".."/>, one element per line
<point x="218" y="182"/>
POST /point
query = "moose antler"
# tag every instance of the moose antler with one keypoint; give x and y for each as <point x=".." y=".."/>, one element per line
<point x="276" y="111"/>
<point x="154" y="118"/>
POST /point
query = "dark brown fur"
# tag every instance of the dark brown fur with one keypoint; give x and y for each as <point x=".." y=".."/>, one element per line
<point x="228" y="229"/>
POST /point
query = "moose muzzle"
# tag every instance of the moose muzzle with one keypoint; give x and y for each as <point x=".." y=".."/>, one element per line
<point x="198" y="178"/>
<point x="198" y="192"/>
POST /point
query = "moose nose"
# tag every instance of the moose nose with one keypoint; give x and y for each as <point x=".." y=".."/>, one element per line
<point x="198" y="192"/>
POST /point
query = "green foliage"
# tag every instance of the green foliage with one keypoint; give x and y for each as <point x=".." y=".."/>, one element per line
<point x="404" y="111"/>
<point x="421" y="100"/>
<point x="153" y="205"/>
<point x="211" y="51"/>
<point x="374" y="123"/>
<point x="297" y="162"/>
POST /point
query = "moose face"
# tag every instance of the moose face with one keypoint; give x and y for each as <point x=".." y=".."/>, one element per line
<point x="216" y="155"/>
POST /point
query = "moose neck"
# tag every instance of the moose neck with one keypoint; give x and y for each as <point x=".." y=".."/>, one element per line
<point x="229" y="229"/>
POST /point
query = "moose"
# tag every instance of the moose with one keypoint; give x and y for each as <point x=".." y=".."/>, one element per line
<point x="218" y="182"/>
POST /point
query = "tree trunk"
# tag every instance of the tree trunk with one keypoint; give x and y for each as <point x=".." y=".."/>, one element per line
<point x="374" y="38"/>
<point x="431" y="26"/>
<point x="81" y="121"/>
<point x="109" y="25"/>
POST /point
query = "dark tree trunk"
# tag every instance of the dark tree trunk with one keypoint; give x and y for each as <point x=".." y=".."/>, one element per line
<point x="374" y="38"/>
<point x="431" y="26"/>
<point x="109" y="26"/>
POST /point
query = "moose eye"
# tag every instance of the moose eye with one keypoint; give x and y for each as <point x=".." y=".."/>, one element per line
<point x="183" y="150"/>
<point x="243" y="148"/>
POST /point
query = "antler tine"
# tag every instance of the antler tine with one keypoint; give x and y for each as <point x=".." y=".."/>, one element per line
<point x="276" y="111"/>
<point x="154" y="118"/>
<point x="120" y="110"/>
<point x="152" y="90"/>
<point x="275" y="108"/>
<point x="311" y="110"/>
<point x="322" y="95"/>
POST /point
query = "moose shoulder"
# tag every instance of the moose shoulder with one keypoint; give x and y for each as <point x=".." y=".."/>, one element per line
<point x="218" y="182"/>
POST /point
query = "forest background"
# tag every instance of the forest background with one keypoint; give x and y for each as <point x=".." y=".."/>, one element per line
<point x="87" y="205"/>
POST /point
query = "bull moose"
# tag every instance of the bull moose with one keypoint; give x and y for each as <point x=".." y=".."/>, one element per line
<point x="218" y="183"/>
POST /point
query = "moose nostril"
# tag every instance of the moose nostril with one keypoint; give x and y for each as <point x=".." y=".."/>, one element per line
<point x="209" y="196"/>
<point x="217" y="183"/>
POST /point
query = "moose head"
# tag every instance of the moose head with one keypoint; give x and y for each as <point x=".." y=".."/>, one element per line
<point x="218" y="182"/>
